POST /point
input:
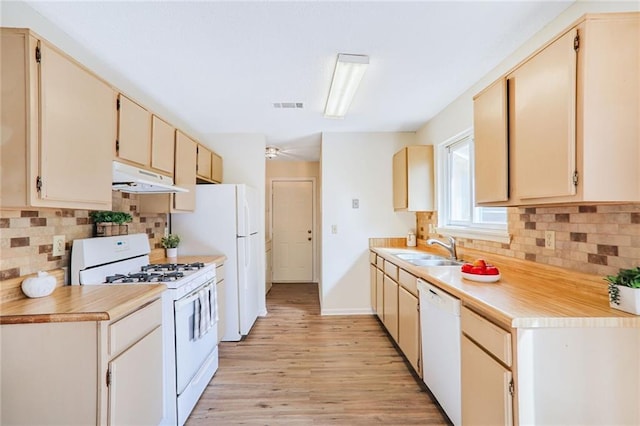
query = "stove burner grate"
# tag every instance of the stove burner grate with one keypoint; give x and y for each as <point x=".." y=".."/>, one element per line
<point x="144" y="277"/>
<point x="162" y="267"/>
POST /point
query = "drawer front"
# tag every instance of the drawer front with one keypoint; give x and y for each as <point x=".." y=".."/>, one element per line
<point x="380" y="262"/>
<point x="372" y="258"/>
<point x="128" y="330"/>
<point x="220" y="272"/>
<point x="408" y="281"/>
<point x="391" y="270"/>
<point x="492" y="338"/>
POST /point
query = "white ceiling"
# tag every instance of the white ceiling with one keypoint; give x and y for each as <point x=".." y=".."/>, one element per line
<point x="220" y="66"/>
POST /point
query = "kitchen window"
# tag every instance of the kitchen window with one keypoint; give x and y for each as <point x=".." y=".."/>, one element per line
<point x="458" y="215"/>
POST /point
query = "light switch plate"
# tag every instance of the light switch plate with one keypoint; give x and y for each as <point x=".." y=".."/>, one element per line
<point x="334" y="229"/>
<point x="355" y="203"/>
<point x="58" y="245"/>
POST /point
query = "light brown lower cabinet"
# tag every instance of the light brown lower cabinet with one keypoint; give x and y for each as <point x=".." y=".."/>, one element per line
<point x="486" y="361"/>
<point x="409" y="327"/>
<point x="394" y="300"/>
<point x="486" y="399"/>
<point x="372" y="287"/>
<point x="135" y="391"/>
<point x="380" y="294"/>
<point x="390" y="304"/>
<point x="86" y="372"/>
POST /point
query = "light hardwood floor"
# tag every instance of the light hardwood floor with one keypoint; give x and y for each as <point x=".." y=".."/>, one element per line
<point x="299" y="368"/>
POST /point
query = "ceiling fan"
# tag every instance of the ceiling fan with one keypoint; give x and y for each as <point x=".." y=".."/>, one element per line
<point x="292" y="153"/>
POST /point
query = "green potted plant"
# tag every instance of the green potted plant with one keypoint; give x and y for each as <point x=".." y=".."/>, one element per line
<point x="110" y="223"/>
<point x="624" y="290"/>
<point x="170" y="243"/>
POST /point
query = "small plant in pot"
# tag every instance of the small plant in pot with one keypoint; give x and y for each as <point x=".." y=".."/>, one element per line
<point x="110" y="223"/>
<point x="170" y="243"/>
<point x="624" y="290"/>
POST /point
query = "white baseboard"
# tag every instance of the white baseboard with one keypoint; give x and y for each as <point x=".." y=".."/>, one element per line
<point x="360" y="311"/>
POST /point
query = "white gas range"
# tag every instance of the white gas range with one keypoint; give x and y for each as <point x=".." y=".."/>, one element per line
<point x="190" y="313"/>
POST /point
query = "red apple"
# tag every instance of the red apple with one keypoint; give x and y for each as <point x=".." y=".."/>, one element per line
<point x="480" y="263"/>
<point x="491" y="270"/>
<point x="478" y="270"/>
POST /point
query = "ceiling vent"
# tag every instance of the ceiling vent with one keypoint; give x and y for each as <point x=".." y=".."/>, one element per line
<point x="289" y="105"/>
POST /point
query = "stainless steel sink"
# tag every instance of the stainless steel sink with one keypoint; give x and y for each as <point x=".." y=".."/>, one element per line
<point x="434" y="262"/>
<point x="418" y="256"/>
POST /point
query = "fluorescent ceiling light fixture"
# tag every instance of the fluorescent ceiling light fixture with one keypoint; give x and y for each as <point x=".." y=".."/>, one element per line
<point x="346" y="79"/>
<point x="271" y="152"/>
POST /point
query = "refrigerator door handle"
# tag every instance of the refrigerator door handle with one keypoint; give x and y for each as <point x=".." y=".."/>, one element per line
<point x="247" y="218"/>
<point x="247" y="253"/>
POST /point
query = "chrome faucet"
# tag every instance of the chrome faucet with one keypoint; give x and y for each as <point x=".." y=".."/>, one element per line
<point x="451" y="247"/>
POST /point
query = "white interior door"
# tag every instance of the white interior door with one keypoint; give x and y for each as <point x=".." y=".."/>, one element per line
<point x="292" y="231"/>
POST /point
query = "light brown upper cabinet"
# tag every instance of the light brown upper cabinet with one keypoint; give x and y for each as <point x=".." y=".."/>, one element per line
<point x="572" y="119"/>
<point x="216" y="168"/>
<point x="186" y="156"/>
<point x="413" y="178"/>
<point x="134" y="132"/>
<point x="186" y="160"/>
<point x="144" y="139"/>
<point x="209" y="166"/>
<point x="491" y="147"/>
<point x="204" y="164"/>
<point x="58" y="134"/>
<point x="163" y="137"/>
<point x="543" y="104"/>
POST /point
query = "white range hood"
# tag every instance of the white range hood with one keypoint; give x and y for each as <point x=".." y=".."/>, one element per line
<point x="133" y="179"/>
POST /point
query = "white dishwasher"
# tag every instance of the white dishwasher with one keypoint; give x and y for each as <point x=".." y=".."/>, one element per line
<point x="440" y="329"/>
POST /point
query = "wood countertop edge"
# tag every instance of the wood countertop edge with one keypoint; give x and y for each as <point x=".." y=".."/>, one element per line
<point x="597" y="316"/>
<point x="106" y="309"/>
<point x="47" y="318"/>
<point x="206" y="259"/>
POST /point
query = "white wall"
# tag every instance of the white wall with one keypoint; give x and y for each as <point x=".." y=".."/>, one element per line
<point x="356" y="165"/>
<point x="458" y="115"/>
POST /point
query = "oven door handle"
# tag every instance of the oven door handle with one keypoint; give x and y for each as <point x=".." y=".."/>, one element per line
<point x="179" y="304"/>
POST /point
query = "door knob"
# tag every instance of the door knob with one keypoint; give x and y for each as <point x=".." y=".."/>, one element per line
<point x="309" y="238"/>
<point x="309" y="231"/>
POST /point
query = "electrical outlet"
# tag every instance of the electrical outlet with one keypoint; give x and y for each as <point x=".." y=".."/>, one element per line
<point x="550" y="239"/>
<point x="58" y="245"/>
<point x="355" y="203"/>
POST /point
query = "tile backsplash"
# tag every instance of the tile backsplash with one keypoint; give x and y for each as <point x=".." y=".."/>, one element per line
<point x="26" y="236"/>
<point x="596" y="239"/>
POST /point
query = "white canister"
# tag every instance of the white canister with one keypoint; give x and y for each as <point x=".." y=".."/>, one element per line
<point x="39" y="286"/>
<point x="411" y="239"/>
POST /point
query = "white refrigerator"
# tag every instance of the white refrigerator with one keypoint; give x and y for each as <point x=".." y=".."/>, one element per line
<point x="225" y="221"/>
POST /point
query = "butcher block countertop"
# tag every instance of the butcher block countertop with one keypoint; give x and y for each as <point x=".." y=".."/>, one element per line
<point x="217" y="259"/>
<point x="85" y="302"/>
<point x="528" y="295"/>
<point x="80" y="303"/>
